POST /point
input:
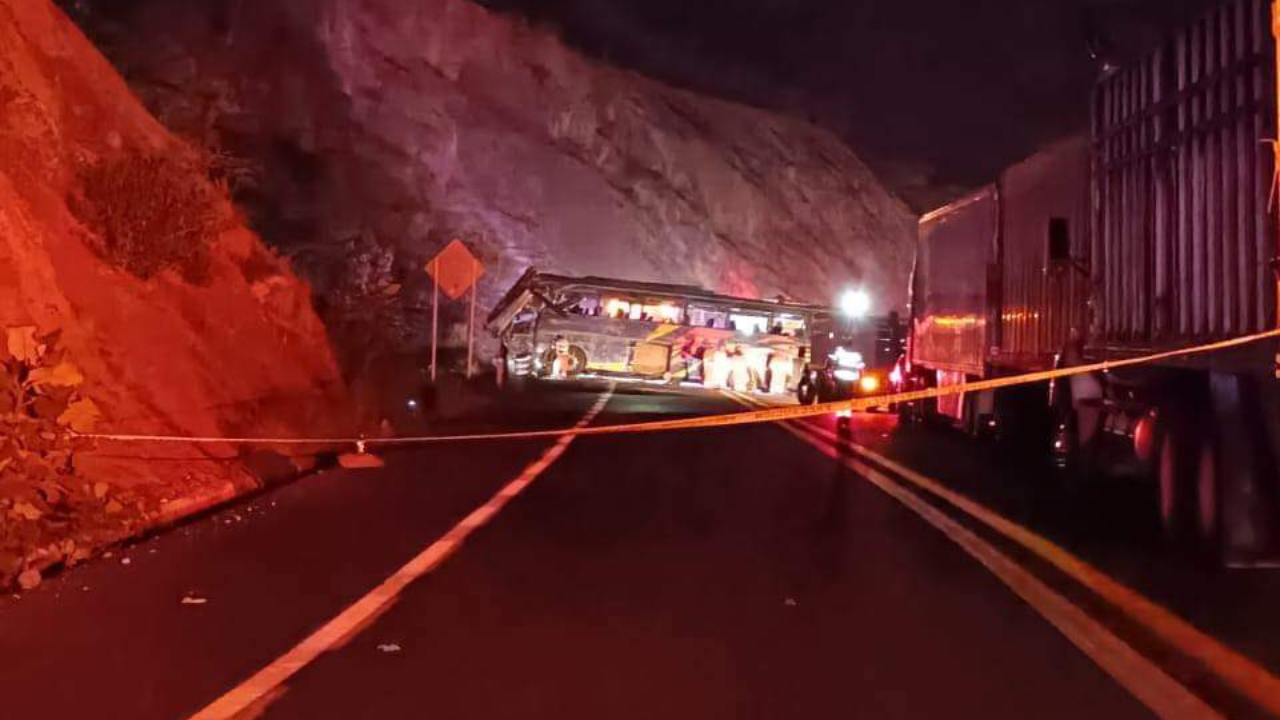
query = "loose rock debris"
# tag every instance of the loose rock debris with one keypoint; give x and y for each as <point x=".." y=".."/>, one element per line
<point x="30" y="579"/>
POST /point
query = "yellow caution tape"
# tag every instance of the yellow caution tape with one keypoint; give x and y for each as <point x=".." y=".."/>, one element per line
<point x="741" y="418"/>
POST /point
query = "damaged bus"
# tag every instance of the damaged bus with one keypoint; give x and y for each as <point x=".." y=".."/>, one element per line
<point x="560" y="326"/>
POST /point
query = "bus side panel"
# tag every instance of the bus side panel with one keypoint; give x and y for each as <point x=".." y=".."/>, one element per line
<point x="1181" y="175"/>
<point x="606" y="342"/>
<point x="950" y="300"/>
<point x="1042" y="305"/>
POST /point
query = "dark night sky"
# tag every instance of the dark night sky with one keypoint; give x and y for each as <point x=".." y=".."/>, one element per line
<point x="936" y="95"/>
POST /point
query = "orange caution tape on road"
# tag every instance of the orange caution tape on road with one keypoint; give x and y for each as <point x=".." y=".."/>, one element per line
<point x="742" y="418"/>
<point x="1234" y="669"/>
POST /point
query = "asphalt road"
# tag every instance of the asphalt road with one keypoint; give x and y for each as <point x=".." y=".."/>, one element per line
<point x="726" y="573"/>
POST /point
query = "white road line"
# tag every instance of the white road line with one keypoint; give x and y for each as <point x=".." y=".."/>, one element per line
<point x="267" y="682"/>
<point x="1166" y="697"/>
<point x="1234" y="669"/>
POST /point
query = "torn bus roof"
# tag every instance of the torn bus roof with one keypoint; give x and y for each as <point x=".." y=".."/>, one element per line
<point x="534" y="285"/>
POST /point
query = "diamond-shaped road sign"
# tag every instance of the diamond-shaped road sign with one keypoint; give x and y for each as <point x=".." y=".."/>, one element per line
<point x="455" y="269"/>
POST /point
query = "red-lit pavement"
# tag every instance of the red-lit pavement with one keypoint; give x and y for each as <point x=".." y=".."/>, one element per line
<point x="733" y="573"/>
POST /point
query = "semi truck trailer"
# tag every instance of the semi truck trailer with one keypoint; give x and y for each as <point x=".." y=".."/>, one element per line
<point x="1155" y="229"/>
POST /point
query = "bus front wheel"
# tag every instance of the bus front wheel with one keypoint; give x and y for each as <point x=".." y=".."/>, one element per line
<point x="575" y="365"/>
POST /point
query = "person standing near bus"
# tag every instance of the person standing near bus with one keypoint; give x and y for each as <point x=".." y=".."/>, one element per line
<point x="690" y="360"/>
<point x="740" y="375"/>
<point x="780" y="368"/>
<point x="715" y="367"/>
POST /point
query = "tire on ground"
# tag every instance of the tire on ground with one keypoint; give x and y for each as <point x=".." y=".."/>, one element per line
<point x="1176" y="467"/>
<point x="1208" y="496"/>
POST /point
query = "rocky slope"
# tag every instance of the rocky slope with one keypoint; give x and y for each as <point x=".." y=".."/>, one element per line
<point x="373" y="131"/>
<point x="132" y="299"/>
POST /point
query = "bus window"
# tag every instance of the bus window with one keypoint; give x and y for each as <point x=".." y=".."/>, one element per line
<point x="789" y="325"/>
<point x="662" y="311"/>
<point x="706" y="317"/>
<point x="647" y="310"/>
<point x="588" y="305"/>
<point x="617" y="308"/>
<point x="749" y="324"/>
<point x="523" y="324"/>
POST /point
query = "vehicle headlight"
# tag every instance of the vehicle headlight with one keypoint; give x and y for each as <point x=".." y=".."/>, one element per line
<point x="848" y="375"/>
<point x="855" y="303"/>
<point x="847" y="359"/>
<point x="869" y="383"/>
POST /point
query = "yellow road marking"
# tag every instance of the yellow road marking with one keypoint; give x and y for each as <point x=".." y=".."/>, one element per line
<point x="1233" y="669"/>
<point x="1143" y="679"/>
<point x="268" y="682"/>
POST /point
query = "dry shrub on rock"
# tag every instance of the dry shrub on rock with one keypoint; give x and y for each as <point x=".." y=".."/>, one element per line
<point x="152" y="212"/>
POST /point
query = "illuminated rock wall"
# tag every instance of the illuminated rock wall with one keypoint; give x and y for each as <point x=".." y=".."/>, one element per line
<point x="376" y="130"/>
<point x="237" y="349"/>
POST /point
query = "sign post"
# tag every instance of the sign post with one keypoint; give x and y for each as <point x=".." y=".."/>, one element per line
<point x="1275" y="31"/>
<point x="435" y="312"/>
<point x="471" y="321"/>
<point x="455" y="271"/>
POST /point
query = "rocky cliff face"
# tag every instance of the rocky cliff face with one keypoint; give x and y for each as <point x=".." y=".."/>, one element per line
<point x="130" y="290"/>
<point x="373" y="131"/>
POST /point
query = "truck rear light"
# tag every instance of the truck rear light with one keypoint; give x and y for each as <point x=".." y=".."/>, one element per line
<point x="1144" y="437"/>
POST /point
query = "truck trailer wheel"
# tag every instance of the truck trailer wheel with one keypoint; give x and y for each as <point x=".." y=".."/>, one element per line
<point x="1190" y="492"/>
<point x="1176" y="469"/>
<point x="1208" y="497"/>
<point x="1188" y="468"/>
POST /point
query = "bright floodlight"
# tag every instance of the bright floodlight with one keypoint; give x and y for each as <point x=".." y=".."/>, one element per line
<point x="855" y="303"/>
